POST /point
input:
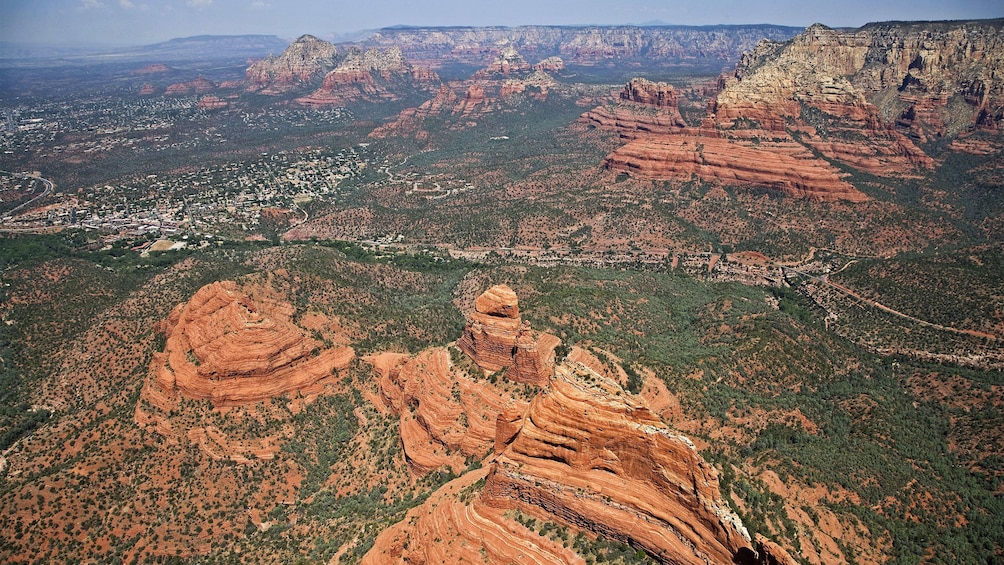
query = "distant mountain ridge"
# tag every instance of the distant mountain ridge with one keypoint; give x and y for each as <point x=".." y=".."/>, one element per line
<point x="199" y="47"/>
<point x="580" y="45"/>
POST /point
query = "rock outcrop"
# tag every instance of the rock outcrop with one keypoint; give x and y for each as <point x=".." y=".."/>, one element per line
<point x="806" y="86"/>
<point x="782" y="165"/>
<point x="455" y="526"/>
<point x="230" y="348"/>
<point x="496" y="338"/>
<point x="662" y="146"/>
<point x="507" y="62"/>
<point x="577" y="45"/>
<point x="598" y="459"/>
<point x="373" y="75"/>
<point x="643" y="91"/>
<point x="199" y="85"/>
<point x="210" y="102"/>
<point x="550" y="65"/>
<point x="865" y="95"/>
<point x="446" y="414"/>
<point x="303" y="63"/>
<point x="644" y="108"/>
<point x="587" y="456"/>
<point x="859" y="97"/>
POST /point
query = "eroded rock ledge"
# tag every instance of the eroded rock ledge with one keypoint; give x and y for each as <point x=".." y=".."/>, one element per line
<point x="591" y="455"/>
<point x="229" y="348"/>
<point x="587" y="455"/>
<point x="495" y="338"/>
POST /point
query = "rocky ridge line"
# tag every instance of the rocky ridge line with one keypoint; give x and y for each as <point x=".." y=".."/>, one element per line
<point x="303" y="63"/>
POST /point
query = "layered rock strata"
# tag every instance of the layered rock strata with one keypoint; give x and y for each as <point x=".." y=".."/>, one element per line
<point x="226" y="347"/>
<point x="496" y="338"/>
<point x="865" y="93"/>
<point x="662" y="146"/>
<point x="508" y="61"/>
<point x="303" y="63"/>
<point x="455" y="526"/>
<point x="372" y="76"/>
<point x="578" y="45"/>
<point x="445" y="414"/>
<point x="782" y="165"/>
<point x="587" y="456"/>
<point x="598" y="459"/>
<point x="858" y="97"/>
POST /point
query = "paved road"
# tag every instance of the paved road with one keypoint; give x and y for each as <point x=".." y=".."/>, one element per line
<point x="841" y="288"/>
<point x="46" y="192"/>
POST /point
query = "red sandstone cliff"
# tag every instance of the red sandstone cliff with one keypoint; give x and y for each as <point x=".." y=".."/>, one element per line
<point x="224" y="346"/>
<point x="372" y="76"/>
<point x="446" y="415"/>
<point x="496" y="338"/>
<point x="304" y="62"/>
<point x="588" y="456"/>
<point x="508" y="61"/>
<point x="858" y="97"/>
<point x="597" y="458"/>
<point x="661" y="146"/>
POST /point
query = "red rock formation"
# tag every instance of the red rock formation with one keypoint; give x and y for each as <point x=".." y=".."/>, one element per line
<point x="772" y="554"/>
<point x="646" y="108"/>
<point x="446" y="415"/>
<point x="474" y="100"/>
<point x="585" y="455"/>
<point x="861" y="90"/>
<point x="663" y="147"/>
<point x="229" y="348"/>
<point x="199" y="85"/>
<point x="783" y="165"/>
<point x="643" y="91"/>
<point x="152" y="69"/>
<point x="411" y="121"/>
<point x="371" y="76"/>
<point x="550" y="65"/>
<point x="536" y="85"/>
<point x="454" y="526"/>
<point x="178" y="89"/>
<point x="630" y="123"/>
<point x="495" y="338"/>
<point x="508" y="61"/>
<point x="146" y="90"/>
<point x="599" y="460"/>
<point x="210" y="102"/>
<point x="305" y="61"/>
<point x="859" y="97"/>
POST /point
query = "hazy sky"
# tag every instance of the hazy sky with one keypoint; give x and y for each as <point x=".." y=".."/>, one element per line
<point x="150" y="21"/>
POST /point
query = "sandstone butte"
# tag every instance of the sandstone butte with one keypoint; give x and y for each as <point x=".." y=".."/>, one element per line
<point x="588" y="456"/>
<point x="198" y="85"/>
<point x="411" y="121"/>
<point x="305" y="60"/>
<point x="230" y="348"/>
<point x="507" y="75"/>
<point x="496" y="338"/>
<point x="210" y="102"/>
<point x="446" y="415"/>
<point x="873" y="90"/>
<point x="508" y="61"/>
<point x="859" y="97"/>
<point x="373" y="75"/>
<point x="662" y="146"/>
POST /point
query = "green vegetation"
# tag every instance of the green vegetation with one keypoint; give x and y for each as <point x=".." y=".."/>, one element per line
<point x="592" y="549"/>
